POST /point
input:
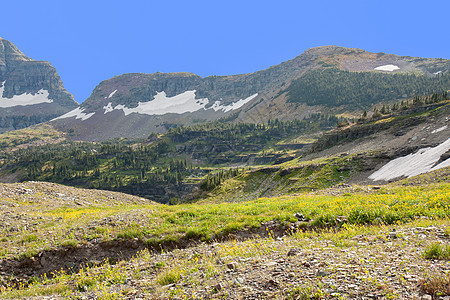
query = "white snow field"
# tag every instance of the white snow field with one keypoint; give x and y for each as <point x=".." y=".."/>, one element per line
<point x="388" y="68"/>
<point x="414" y="164"/>
<point x="178" y="104"/>
<point x="77" y="113"/>
<point x="24" y="99"/>
<point x="235" y="105"/>
<point x="112" y="94"/>
<point x="108" y="108"/>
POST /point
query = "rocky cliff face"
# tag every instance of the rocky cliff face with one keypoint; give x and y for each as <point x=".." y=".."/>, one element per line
<point x="30" y="91"/>
<point x="134" y="105"/>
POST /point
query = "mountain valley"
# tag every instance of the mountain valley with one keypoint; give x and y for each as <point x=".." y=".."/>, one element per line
<point x="323" y="177"/>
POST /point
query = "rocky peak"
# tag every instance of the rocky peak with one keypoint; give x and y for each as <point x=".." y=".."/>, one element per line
<point x="32" y="91"/>
<point x="9" y="53"/>
<point x="331" y="50"/>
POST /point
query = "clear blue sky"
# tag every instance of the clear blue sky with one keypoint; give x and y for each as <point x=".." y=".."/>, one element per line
<point x="91" y="41"/>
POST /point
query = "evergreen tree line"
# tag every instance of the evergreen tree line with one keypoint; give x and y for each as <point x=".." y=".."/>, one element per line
<point x="333" y="87"/>
<point x="417" y="101"/>
<point x="140" y="166"/>
<point x="213" y="180"/>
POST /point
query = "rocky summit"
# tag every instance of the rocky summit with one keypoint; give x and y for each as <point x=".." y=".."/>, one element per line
<point x="31" y="91"/>
<point x="327" y="79"/>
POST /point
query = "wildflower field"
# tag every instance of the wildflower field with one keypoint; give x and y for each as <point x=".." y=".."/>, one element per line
<point x="329" y="217"/>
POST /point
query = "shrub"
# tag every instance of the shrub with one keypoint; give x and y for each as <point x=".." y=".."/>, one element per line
<point x="436" y="285"/>
<point x="169" y="277"/>
<point x="437" y="251"/>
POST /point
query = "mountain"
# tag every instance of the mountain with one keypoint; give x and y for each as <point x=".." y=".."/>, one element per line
<point x="226" y="161"/>
<point x="327" y="79"/>
<point x="31" y="91"/>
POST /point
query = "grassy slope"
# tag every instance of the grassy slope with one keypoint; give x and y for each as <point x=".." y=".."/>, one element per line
<point x="32" y="136"/>
<point x="292" y="177"/>
<point x="79" y="216"/>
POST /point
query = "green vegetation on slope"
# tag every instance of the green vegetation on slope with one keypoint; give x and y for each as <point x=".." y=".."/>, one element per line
<point x="160" y="168"/>
<point x="58" y="221"/>
<point x="289" y="178"/>
<point x="333" y="87"/>
<point x="28" y="137"/>
<point x="396" y="119"/>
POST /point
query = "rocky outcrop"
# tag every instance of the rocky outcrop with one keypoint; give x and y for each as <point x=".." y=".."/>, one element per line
<point x="32" y="91"/>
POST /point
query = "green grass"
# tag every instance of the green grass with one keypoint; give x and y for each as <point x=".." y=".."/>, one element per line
<point x="42" y="133"/>
<point x="169" y="277"/>
<point x="156" y="224"/>
<point x="437" y="251"/>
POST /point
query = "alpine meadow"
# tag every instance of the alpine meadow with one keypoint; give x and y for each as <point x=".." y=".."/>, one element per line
<point x="326" y="176"/>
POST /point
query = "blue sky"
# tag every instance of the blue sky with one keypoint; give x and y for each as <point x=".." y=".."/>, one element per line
<point x="91" y="41"/>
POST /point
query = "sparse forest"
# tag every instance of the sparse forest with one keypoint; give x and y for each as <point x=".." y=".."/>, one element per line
<point x="160" y="167"/>
<point x="333" y="87"/>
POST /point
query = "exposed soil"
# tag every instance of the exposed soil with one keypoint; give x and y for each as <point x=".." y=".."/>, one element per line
<point x="72" y="259"/>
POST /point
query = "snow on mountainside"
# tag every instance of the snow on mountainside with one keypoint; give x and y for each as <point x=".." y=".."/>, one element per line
<point x="31" y="91"/>
<point x="78" y="113"/>
<point x="161" y="104"/>
<point x="388" y="68"/>
<point x="136" y="104"/>
<point x="23" y="99"/>
<point x="423" y="161"/>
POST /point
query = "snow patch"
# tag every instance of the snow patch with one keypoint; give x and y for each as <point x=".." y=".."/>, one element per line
<point x="24" y="99"/>
<point x="439" y="129"/>
<point x="235" y="105"/>
<point x="78" y="113"/>
<point x="411" y="165"/>
<point x="388" y="68"/>
<point x="108" y="108"/>
<point x="178" y="104"/>
<point x="161" y="104"/>
<point x="112" y="94"/>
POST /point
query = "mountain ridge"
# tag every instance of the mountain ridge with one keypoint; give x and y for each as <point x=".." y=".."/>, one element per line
<point x="137" y="104"/>
<point x="31" y="91"/>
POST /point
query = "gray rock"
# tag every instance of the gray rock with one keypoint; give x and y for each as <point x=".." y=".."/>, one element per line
<point x="43" y="261"/>
<point x="392" y="235"/>
<point x="300" y="217"/>
<point x="271" y="264"/>
<point x="426" y="297"/>
<point x="232" y="265"/>
<point x="292" y="252"/>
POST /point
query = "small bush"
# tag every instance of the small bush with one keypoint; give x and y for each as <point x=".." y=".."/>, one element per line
<point x="153" y="242"/>
<point x="232" y="227"/>
<point x="437" y="251"/>
<point x="29" y="238"/>
<point x="305" y="293"/>
<point x="130" y="233"/>
<point x="84" y="283"/>
<point x="70" y="243"/>
<point x="169" y="277"/>
<point x="436" y="285"/>
<point x="197" y="233"/>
